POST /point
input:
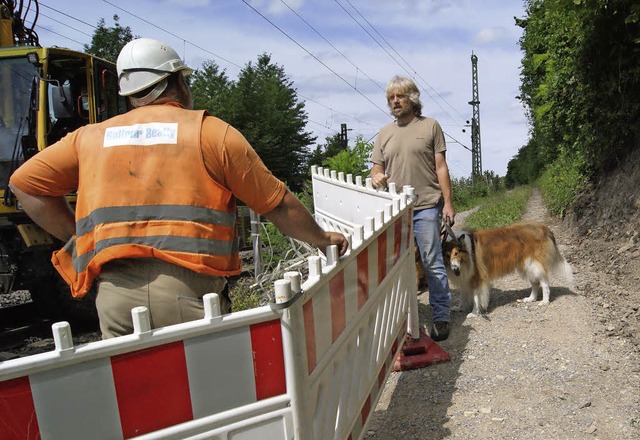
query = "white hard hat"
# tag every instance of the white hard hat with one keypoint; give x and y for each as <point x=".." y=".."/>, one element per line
<point x="144" y="62"/>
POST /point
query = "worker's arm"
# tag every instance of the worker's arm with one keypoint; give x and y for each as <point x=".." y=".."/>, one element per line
<point x="444" y="180"/>
<point x="378" y="177"/>
<point x="52" y="214"/>
<point x="294" y="220"/>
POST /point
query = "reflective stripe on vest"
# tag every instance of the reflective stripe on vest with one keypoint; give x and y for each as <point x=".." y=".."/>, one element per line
<point x="163" y="243"/>
<point x="163" y="212"/>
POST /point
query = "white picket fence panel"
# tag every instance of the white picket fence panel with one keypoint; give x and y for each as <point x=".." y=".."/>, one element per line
<point x="311" y="366"/>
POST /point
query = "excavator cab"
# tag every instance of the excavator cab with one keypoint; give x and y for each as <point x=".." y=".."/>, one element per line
<point x="46" y="94"/>
<point x="52" y="92"/>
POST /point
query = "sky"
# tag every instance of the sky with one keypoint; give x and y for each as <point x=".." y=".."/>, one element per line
<point x="339" y="56"/>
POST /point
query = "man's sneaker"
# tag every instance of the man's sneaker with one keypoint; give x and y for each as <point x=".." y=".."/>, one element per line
<point x="440" y="331"/>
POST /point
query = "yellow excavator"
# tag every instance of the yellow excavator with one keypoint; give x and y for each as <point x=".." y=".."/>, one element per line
<point x="45" y="93"/>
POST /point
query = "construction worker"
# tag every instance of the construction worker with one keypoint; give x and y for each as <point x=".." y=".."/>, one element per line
<point x="154" y="223"/>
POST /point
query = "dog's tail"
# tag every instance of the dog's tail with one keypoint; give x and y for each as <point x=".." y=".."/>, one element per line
<point x="563" y="268"/>
<point x="560" y="265"/>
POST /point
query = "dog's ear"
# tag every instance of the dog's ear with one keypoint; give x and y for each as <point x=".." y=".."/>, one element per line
<point x="461" y="242"/>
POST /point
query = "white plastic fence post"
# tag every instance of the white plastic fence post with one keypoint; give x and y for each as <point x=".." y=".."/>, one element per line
<point x="369" y="226"/>
<point x="334" y="173"/>
<point x="341" y="176"/>
<point x="211" y="305"/>
<point x="403" y="200"/>
<point x="358" y="236"/>
<point x="359" y="180"/>
<point x="369" y="183"/>
<point x="332" y="255"/>
<point x="392" y="188"/>
<point x="396" y="206"/>
<point x="350" y="179"/>
<point x="315" y="266"/>
<point x="62" y="336"/>
<point x="388" y="212"/>
<point x="283" y="291"/>
<point x="409" y="191"/>
<point x="295" y="279"/>
<point x="141" y="321"/>
<point x="256" y="241"/>
<point x="379" y="219"/>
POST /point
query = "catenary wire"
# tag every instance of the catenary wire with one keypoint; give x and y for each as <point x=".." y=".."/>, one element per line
<point x="405" y="61"/>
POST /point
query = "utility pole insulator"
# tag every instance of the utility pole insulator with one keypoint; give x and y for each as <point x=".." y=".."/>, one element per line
<point x="476" y="155"/>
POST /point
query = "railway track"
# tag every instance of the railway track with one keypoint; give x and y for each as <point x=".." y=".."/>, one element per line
<point x="18" y="324"/>
<point x="23" y="331"/>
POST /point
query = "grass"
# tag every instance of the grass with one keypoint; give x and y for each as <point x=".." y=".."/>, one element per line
<point x="501" y="209"/>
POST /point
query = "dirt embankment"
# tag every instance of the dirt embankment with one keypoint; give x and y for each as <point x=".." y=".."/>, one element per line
<point x="570" y="370"/>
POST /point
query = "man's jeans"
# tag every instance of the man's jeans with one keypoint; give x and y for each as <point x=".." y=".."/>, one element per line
<point x="426" y="227"/>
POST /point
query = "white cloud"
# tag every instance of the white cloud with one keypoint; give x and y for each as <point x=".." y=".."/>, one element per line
<point x="490" y="35"/>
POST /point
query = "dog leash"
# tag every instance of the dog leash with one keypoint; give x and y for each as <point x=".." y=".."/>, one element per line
<point x="446" y="231"/>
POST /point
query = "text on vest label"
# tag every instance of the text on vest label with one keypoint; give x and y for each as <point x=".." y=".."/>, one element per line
<point x="153" y="133"/>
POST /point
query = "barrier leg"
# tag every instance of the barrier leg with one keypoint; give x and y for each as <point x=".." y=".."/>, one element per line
<point x="419" y="350"/>
<point x="418" y="353"/>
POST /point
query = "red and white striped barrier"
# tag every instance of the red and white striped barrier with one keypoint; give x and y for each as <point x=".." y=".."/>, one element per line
<point x="311" y="366"/>
<point x="354" y="315"/>
<point x="153" y="379"/>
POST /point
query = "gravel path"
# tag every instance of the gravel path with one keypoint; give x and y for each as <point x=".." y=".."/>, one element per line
<point x="527" y="372"/>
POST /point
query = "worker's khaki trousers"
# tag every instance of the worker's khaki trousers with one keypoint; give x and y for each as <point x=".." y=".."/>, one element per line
<point x="171" y="293"/>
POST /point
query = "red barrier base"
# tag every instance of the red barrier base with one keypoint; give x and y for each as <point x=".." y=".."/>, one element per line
<point x="418" y="353"/>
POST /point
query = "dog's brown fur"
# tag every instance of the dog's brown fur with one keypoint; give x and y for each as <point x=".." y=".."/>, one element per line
<point x="476" y="258"/>
<point x="421" y="276"/>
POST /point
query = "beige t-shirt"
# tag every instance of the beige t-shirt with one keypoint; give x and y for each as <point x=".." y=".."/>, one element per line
<point x="407" y="154"/>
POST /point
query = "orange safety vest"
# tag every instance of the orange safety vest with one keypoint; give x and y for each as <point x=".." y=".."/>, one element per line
<point x="144" y="192"/>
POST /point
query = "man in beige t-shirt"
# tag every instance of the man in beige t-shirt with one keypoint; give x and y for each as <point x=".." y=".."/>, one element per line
<point x="412" y="151"/>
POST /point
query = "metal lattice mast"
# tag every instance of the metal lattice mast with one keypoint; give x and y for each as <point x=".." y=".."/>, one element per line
<point x="476" y="154"/>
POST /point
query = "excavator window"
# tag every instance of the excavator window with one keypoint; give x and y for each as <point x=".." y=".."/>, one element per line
<point x="109" y="102"/>
<point x="66" y="85"/>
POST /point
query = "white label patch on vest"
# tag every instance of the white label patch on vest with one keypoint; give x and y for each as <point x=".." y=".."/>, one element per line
<point x="153" y="133"/>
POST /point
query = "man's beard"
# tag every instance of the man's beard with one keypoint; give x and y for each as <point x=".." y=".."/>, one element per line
<point x="400" y="111"/>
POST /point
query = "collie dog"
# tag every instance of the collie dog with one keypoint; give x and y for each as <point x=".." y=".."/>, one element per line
<point x="475" y="258"/>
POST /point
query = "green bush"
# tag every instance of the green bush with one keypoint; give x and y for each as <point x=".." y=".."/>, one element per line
<point x="353" y="161"/>
<point x="469" y="192"/>
<point x="560" y="182"/>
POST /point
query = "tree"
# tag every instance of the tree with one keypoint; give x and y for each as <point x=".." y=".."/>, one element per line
<point x="264" y="106"/>
<point x="333" y="146"/>
<point x="211" y="90"/>
<point x="353" y="161"/>
<point x="108" y="41"/>
<point x="581" y="80"/>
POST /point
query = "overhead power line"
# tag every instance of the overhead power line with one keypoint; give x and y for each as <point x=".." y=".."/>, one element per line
<point x="60" y="35"/>
<point x="69" y="16"/>
<point x="312" y="55"/>
<point x="331" y="44"/>
<point x="66" y="25"/>
<point x="172" y="34"/>
<point x="411" y="71"/>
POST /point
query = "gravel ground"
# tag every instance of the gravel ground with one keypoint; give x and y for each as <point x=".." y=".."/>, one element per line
<point x="570" y="370"/>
